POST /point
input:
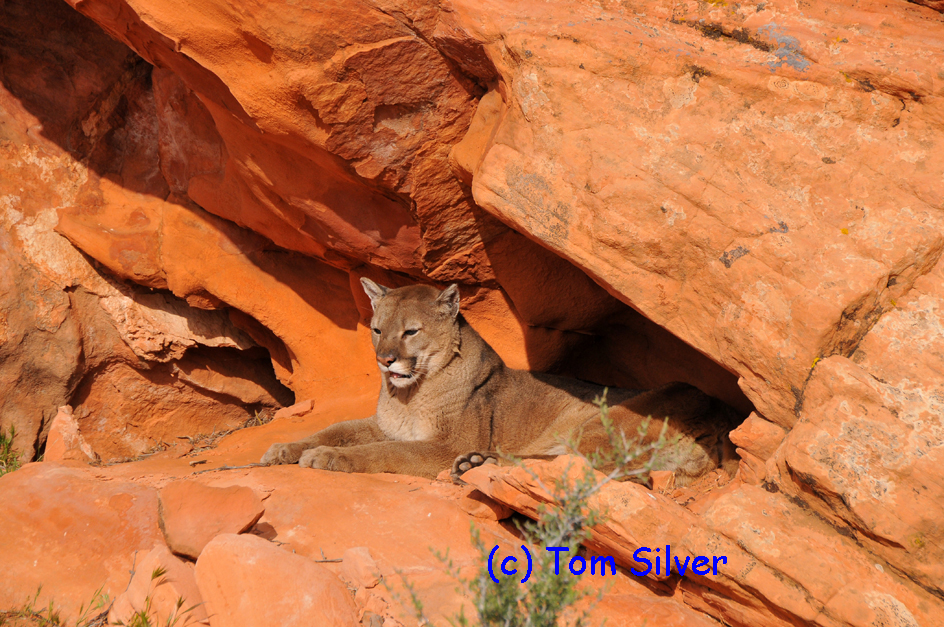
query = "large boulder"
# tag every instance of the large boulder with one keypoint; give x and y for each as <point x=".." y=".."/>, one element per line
<point x="248" y="581"/>
<point x="67" y="535"/>
<point x="744" y="197"/>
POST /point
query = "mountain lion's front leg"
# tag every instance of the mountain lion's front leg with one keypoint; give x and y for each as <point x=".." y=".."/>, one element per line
<point x="347" y="433"/>
<point x="422" y="459"/>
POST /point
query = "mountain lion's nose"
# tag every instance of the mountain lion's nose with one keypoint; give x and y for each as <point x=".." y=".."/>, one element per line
<point x="386" y="359"/>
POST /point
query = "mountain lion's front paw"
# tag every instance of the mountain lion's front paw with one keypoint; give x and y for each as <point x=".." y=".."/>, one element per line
<point x="470" y="461"/>
<point x="326" y="458"/>
<point x="282" y="454"/>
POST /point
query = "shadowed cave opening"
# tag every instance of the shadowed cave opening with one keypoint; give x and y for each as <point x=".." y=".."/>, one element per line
<point x="126" y="413"/>
<point x="146" y="384"/>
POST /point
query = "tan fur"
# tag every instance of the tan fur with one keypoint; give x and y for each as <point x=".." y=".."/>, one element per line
<point x="448" y="399"/>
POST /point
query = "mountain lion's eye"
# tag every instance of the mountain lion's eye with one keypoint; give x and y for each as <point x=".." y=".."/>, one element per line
<point x="410" y="332"/>
<point x="376" y="331"/>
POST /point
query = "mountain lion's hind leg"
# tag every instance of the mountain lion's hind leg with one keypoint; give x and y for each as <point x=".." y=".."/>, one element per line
<point x="470" y="461"/>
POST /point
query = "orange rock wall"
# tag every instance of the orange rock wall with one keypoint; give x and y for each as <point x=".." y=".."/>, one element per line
<point x="315" y="147"/>
<point x="743" y="196"/>
<point x="78" y="135"/>
<point x="166" y="183"/>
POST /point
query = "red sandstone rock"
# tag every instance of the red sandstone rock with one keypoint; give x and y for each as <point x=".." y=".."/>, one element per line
<point x="158" y="327"/>
<point x="246" y="377"/>
<point x="358" y="568"/>
<point x="869" y="443"/>
<point x="660" y="174"/>
<point x="69" y="532"/>
<point x="68" y="122"/>
<point x="160" y="403"/>
<point x="298" y="409"/>
<point x="168" y="598"/>
<point x="757" y="440"/>
<point x="320" y="514"/>
<point x="372" y="609"/>
<point x="192" y="514"/>
<point x="204" y="255"/>
<point x="864" y="446"/>
<point x="631" y="611"/>
<point x="64" y="440"/>
<point x="757" y="182"/>
<point x="662" y="480"/>
<point x="154" y="407"/>
<point x="478" y="505"/>
<point x="402" y="522"/>
<point x="758" y="436"/>
<point x="248" y="581"/>
<point x="40" y="342"/>
<point x="751" y="469"/>
<point x="775" y="554"/>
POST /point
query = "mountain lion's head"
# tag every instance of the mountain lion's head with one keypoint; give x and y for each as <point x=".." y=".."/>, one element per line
<point x="414" y="329"/>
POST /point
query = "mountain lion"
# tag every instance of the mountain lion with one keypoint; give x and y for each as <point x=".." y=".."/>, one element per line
<point x="449" y="401"/>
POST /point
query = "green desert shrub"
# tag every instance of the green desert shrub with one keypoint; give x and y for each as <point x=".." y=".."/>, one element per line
<point x="9" y="458"/>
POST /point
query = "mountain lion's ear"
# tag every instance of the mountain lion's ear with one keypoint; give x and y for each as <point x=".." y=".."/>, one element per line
<point x="374" y="291"/>
<point x="448" y="299"/>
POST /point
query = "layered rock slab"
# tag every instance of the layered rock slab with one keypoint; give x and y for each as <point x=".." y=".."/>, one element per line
<point x="870" y="442"/>
<point x="355" y="150"/>
<point x="192" y="514"/>
<point x="782" y="566"/>
<point x="379" y="526"/>
<point x="200" y="256"/>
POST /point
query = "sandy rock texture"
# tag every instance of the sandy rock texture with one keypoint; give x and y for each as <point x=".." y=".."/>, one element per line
<point x="743" y="196"/>
<point x="70" y="534"/>
<point x="329" y="548"/>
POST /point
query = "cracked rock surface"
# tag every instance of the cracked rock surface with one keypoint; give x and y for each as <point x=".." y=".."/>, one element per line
<point x="746" y="197"/>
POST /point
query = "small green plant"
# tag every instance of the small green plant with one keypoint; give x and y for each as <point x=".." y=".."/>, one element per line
<point x="95" y="614"/>
<point x="550" y="593"/>
<point x="48" y="616"/>
<point x="45" y="616"/>
<point x="144" y="617"/>
<point x="9" y="458"/>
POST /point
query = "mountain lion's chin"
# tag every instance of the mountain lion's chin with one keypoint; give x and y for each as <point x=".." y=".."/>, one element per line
<point x="401" y="380"/>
